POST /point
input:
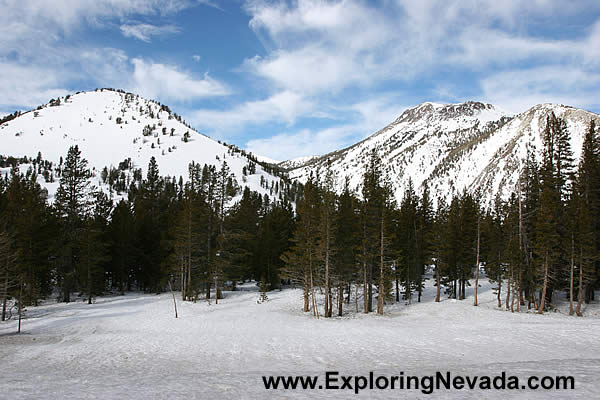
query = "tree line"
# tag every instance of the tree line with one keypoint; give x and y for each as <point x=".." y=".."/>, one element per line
<point x="161" y="230"/>
<point x="346" y="250"/>
<point x="542" y="240"/>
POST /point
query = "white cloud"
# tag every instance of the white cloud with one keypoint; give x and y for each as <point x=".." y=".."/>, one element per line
<point x="47" y="21"/>
<point x="145" y="32"/>
<point x="27" y="86"/>
<point x="310" y="70"/>
<point x="196" y="57"/>
<point x="110" y="66"/>
<point x="168" y="82"/>
<point x="366" y="117"/>
<point x="303" y="143"/>
<point x="316" y="46"/>
<point x="518" y="90"/>
<point x="281" y="107"/>
<point x="35" y="62"/>
<point x="319" y="48"/>
<point x="323" y="59"/>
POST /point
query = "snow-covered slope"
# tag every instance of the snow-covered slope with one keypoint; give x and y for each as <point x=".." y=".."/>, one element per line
<point x="296" y="162"/>
<point x="110" y="126"/>
<point x="492" y="163"/>
<point x="451" y="147"/>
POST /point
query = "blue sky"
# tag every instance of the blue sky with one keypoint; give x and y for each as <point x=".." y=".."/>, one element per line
<point x="292" y="78"/>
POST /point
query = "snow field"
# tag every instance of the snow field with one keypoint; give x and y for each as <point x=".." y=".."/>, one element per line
<point x="132" y="347"/>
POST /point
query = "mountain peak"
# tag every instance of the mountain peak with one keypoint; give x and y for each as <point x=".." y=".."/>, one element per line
<point x="111" y="126"/>
<point x="451" y="148"/>
<point x="448" y="111"/>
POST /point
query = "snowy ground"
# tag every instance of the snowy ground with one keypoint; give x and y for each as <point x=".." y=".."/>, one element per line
<point x="132" y="347"/>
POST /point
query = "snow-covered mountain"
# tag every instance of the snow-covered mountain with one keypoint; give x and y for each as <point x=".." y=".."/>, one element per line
<point x="111" y="126"/>
<point x="296" y="162"/>
<point x="451" y="147"/>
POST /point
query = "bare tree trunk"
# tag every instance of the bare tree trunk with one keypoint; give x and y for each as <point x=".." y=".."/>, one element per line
<point x="408" y="288"/>
<point x="514" y="295"/>
<point x="188" y="281"/>
<point x="340" y="298"/>
<point x="89" y="276"/>
<point x="208" y="269"/>
<point x="189" y="249"/>
<point x="306" y="292"/>
<point x="580" y="294"/>
<point x="508" y="284"/>
<point x="572" y="273"/>
<point x="327" y="288"/>
<point x="438" y="281"/>
<point x="365" y="294"/>
<point x="5" y="296"/>
<point x="173" y="294"/>
<point x="499" y="293"/>
<point x="183" y="277"/>
<point x="381" y="295"/>
<point x="349" y="293"/>
<point x="4" y="307"/>
<point x="312" y="289"/>
<point x="477" y="261"/>
<point x="370" y="287"/>
<point x="216" y="290"/>
<point x="20" y="303"/>
<point x="520" y="297"/>
<point x="543" y="299"/>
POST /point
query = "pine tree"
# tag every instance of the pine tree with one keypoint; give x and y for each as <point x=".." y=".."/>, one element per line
<point x="208" y="187"/>
<point x="513" y="255"/>
<point x="348" y="242"/>
<point x="148" y="213"/>
<point x="407" y="241"/>
<point x="385" y="251"/>
<point x="327" y="245"/>
<point x="440" y="226"/>
<point x="275" y="230"/>
<point x="122" y="246"/>
<point x="376" y="193"/>
<point x="530" y="188"/>
<point x="494" y="245"/>
<point x="547" y="234"/>
<point x="240" y="233"/>
<point x="587" y="215"/>
<point x="72" y="204"/>
<point x="425" y="217"/>
<point x="224" y="257"/>
<point x="94" y="247"/>
<point x="8" y="275"/>
<point x="300" y="260"/>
